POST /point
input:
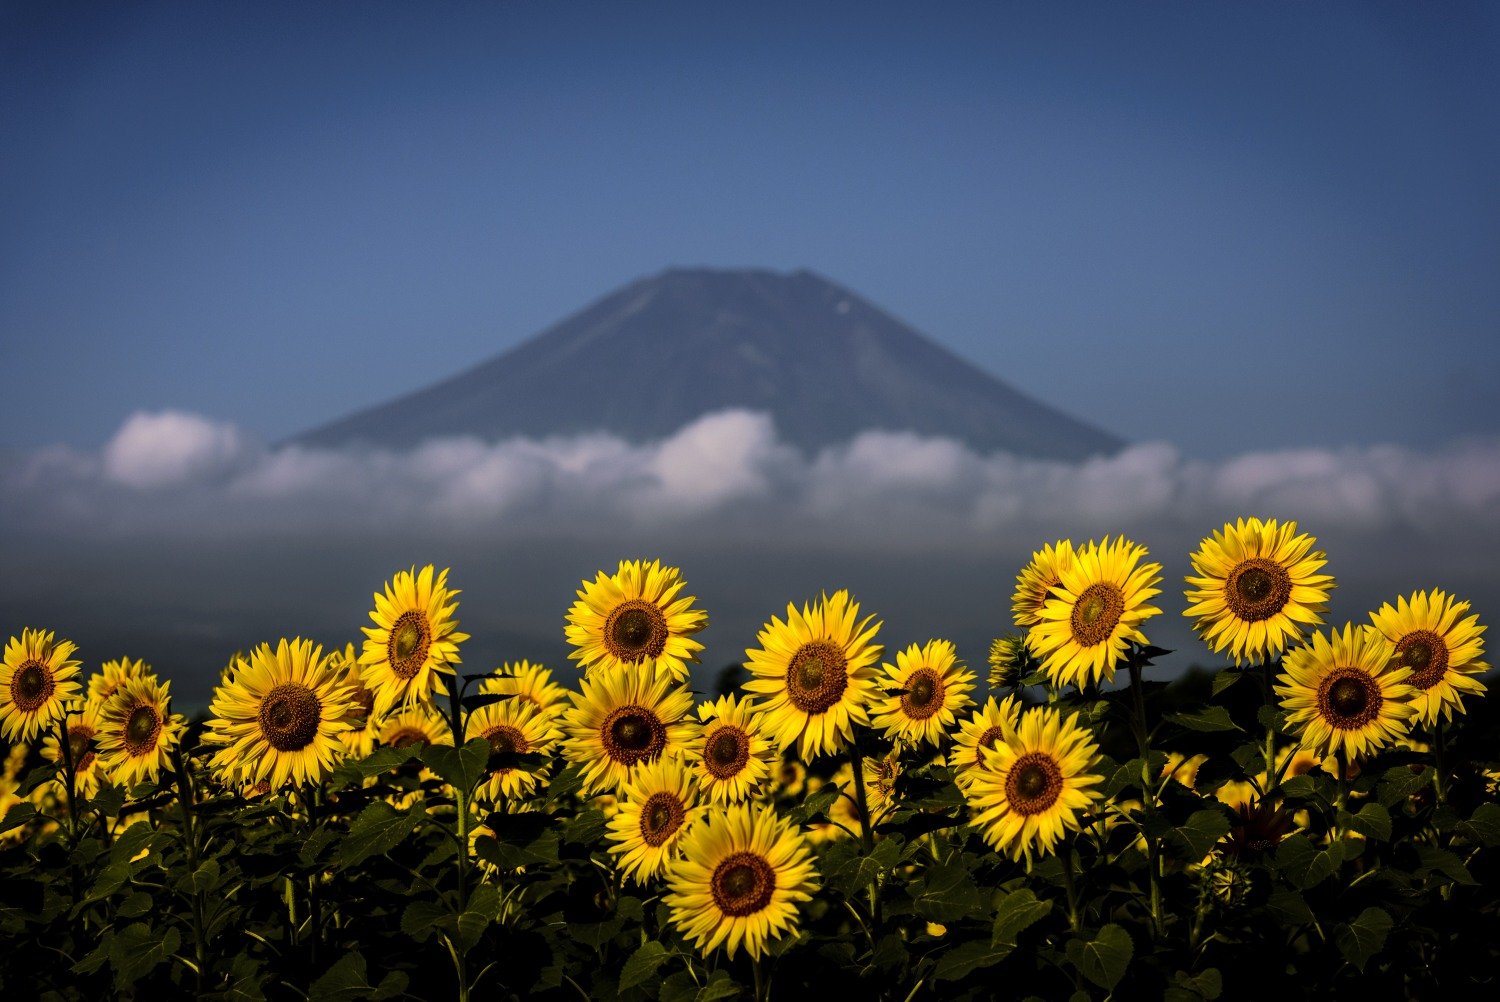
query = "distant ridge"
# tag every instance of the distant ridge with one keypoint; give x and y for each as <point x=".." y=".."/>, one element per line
<point x="660" y="352"/>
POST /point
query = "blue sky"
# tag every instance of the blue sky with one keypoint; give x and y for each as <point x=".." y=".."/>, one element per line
<point x="1231" y="226"/>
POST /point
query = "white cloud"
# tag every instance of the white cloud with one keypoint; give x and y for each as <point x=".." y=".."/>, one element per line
<point x="170" y="448"/>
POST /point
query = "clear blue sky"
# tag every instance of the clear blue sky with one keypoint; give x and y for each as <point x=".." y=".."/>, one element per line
<point x="1227" y="225"/>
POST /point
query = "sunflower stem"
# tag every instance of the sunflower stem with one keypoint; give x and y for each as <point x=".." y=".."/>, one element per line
<point x="1068" y="886"/>
<point x="1148" y="799"/>
<point x="70" y="779"/>
<point x="1342" y="806"/>
<point x="866" y="838"/>
<point x="186" y="799"/>
<point x="760" y="980"/>
<point x="1439" y="789"/>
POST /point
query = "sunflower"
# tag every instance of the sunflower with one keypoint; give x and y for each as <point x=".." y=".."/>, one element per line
<point x="733" y="757"/>
<point x="281" y="716"/>
<point x="104" y="682"/>
<point x="1037" y="579"/>
<point x="37" y="683"/>
<point x="635" y="617"/>
<point x="659" y="807"/>
<point x="1095" y="611"/>
<point x="1009" y="661"/>
<point x="137" y="732"/>
<point x="83" y="748"/>
<point x="743" y="872"/>
<point x="528" y="682"/>
<point x="1442" y="650"/>
<point x="817" y="673"/>
<point x="512" y="727"/>
<point x="1257" y="585"/>
<point x="1347" y="692"/>
<point x="623" y="718"/>
<point x="1034" y="784"/>
<point x="415" y="638"/>
<point x="416" y="725"/>
<point x="880" y="776"/>
<point x="991" y="724"/>
<point x="933" y="688"/>
<point x="364" y="723"/>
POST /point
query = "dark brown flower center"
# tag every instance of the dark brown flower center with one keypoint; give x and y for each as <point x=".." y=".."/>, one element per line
<point x="1349" y="698"/>
<point x="727" y="752"/>
<point x="924" y="694"/>
<point x="1034" y="783"/>
<point x="1257" y="589"/>
<point x="143" y="725"/>
<point x="289" y="716"/>
<point x="81" y="746"/>
<point x="1426" y="655"/>
<point x="1096" y="613"/>
<point x="32" y="685"/>
<point x="631" y="734"/>
<point x="635" y="630"/>
<point x="405" y="737"/>
<point x="817" y="676"/>
<point x="410" y="639"/>
<point x="742" y="884"/>
<point x="661" y="815"/>
<point x="987" y="740"/>
<point x="506" y="740"/>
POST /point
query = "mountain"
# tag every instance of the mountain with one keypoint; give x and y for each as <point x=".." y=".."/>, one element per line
<point x="654" y="355"/>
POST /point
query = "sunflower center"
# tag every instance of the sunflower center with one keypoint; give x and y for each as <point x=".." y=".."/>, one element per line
<point x="1349" y="699"/>
<point x="405" y="737"/>
<point x="742" y="884"/>
<point x="506" y="740"/>
<point x="1034" y="783"/>
<point x="661" y="815"/>
<point x="1096" y="613"/>
<point x="31" y="686"/>
<point x="81" y="746"/>
<point x="142" y="728"/>
<point x="1257" y="589"/>
<point x="986" y="741"/>
<point x="817" y="676"/>
<point x="407" y="648"/>
<point x="924" y="694"/>
<point x="289" y="716"/>
<point x="632" y="733"/>
<point x="635" y="630"/>
<point x="727" y="753"/>
<point x="1426" y="655"/>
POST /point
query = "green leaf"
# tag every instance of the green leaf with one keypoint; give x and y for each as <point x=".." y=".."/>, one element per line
<point x="1483" y="826"/>
<point x="959" y="961"/>
<point x="421" y="917"/>
<point x="346" y="979"/>
<point x="1018" y="911"/>
<point x="44" y="773"/>
<point x="18" y="815"/>
<point x="378" y="829"/>
<point x="642" y="965"/>
<point x="857" y="873"/>
<point x="586" y="828"/>
<point x="945" y="893"/>
<point x="720" y="986"/>
<point x="479" y="699"/>
<point x="1224" y="679"/>
<point x="1103" y="959"/>
<point x="1209" y="718"/>
<point x="136" y="949"/>
<point x="1300" y="787"/>
<point x="815" y="804"/>
<point x="1305" y="864"/>
<point x="484" y="905"/>
<point x="129" y="843"/>
<point x="1201" y="832"/>
<point x="138" y="904"/>
<point x="1208" y="984"/>
<point x="1290" y="908"/>
<point x="1373" y="821"/>
<point x="521" y="839"/>
<point x="461" y="768"/>
<point x="1435" y="860"/>
<point x="1399" y="783"/>
<point x="1364" y="937"/>
<point x="382" y="760"/>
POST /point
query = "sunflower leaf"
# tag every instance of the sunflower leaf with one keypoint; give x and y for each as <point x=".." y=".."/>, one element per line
<point x="349" y="978"/>
<point x="1483" y="826"/>
<point x="815" y="804"/>
<point x="1201" y="832"/>
<point x="479" y="699"/>
<point x="642" y="965"/>
<point x="18" y="815"/>
<point x="1435" y="860"/>
<point x="1018" y="911"/>
<point x="1224" y="678"/>
<point x="1103" y="959"/>
<point x="1209" y="718"/>
<point x="378" y="829"/>
<point x="1364" y="937"/>
<point x="1305" y="864"/>
<point x="965" y="958"/>
<point x="946" y="893"/>
<point x="1399" y="783"/>
<point x="1372" y="821"/>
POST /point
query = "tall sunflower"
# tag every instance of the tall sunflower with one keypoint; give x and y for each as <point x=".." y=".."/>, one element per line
<point x="281" y="716"/>
<point x="414" y="725"/>
<point x="934" y="688"/>
<point x="1346" y="692"/>
<point x="1095" y="611"/>
<point x="816" y="673"/>
<point x="1037" y="579"/>
<point x="529" y="683"/>
<point x="37" y="683"/>
<point x="635" y="616"/>
<point x="364" y="723"/>
<point x="659" y="807"/>
<point x="1034" y="784"/>
<point x="138" y="731"/>
<point x="512" y="727"/>
<point x="104" y="682"/>
<point x="623" y="718"/>
<point x="743" y="872"/>
<point x="991" y="724"/>
<point x="415" y="638"/>
<point x="1257" y="585"/>
<point x="84" y="727"/>
<point x="732" y="756"/>
<point x="1442" y="650"/>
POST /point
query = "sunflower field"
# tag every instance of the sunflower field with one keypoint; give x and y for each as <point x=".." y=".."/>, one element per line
<point x="1317" y="816"/>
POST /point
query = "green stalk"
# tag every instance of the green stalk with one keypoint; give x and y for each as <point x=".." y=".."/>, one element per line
<point x="1273" y="774"/>
<point x="1148" y="799"/>
<point x="1439" y="790"/>
<point x="187" y="800"/>
<point x="457" y="724"/>
<point x="866" y="837"/>
<point x="70" y="781"/>
<point x="760" y="980"/>
<point x="1068" y="886"/>
<point x="1343" y="801"/>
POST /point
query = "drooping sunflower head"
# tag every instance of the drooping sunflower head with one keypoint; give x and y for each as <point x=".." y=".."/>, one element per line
<point x="1009" y="660"/>
<point x="1035" y="784"/>
<point x="530" y="683"/>
<point x="414" y="640"/>
<point x="1257" y="585"/>
<point x="636" y="616"/>
<point x="1442" y="647"/>
<point x="732" y="757"/>
<point x="104" y="682"/>
<point x="1345" y="692"/>
<point x="931" y="688"/>
<point x="1037" y="579"/>
<point x="38" y="683"/>
<point x="84" y="728"/>
<point x="137" y="730"/>
<point x="1095" y="612"/>
<point x="623" y="718"/>
<point x="512" y="727"/>
<point x="280" y="717"/>
<point x="658" y="808"/>
<point x="815" y="674"/>
<point x="742" y="874"/>
<point x="879" y="775"/>
<point x="990" y="725"/>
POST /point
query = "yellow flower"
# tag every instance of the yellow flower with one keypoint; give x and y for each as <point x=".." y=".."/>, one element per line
<point x="1008" y="660"/>
<point x="937" y="687"/>
<point x="415" y="638"/>
<point x="528" y="682"/>
<point x="83" y="747"/>
<point x="1442" y="650"/>
<point x="1034" y="784"/>
<point x="988" y="726"/>
<point x="1037" y="579"/>
<point x="732" y="757"/>
<point x="512" y="727"/>
<point x="1095" y="612"/>
<point x="137" y="732"/>
<point x="37" y="683"/>
<point x="417" y="725"/>
<point x="1257" y="585"/>
<point x="104" y="682"/>
<point x="635" y="617"/>
<point x="742" y="874"/>
<point x="364" y="723"/>
<point x="816" y="674"/>
<point x="623" y="718"/>
<point x="658" y="809"/>
<point x="1346" y="693"/>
